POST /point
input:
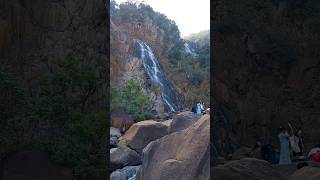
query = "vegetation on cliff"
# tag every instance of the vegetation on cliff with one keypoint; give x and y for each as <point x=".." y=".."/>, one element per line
<point x="66" y="117"/>
<point x="132" y="99"/>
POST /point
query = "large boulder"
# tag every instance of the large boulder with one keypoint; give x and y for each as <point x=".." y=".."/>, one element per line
<point x="242" y="152"/>
<point x="182" y="121"/>
<point x="167" y="123"/>
<point x="244" y="169"/>
<point x="308" y="172"/>
<point x="123" y="156"/>
<point x="142" y="133"/>
<point x="285" y="170"/>
<point x="32" y="165"/>
<point x="121" y="119"/>
<point x="180" y="155"/>
<point x="125" y="173"/>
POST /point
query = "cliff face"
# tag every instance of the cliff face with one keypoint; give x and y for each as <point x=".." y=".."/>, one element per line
<point x="33" y="34"/>
<point x="132" y="21"/>
<point x="53" y="64"/>
<point x="266" y="67"/>
<point x="125" y="64"/>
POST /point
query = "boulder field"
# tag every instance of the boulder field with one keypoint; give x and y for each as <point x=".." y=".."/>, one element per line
<point x="153" y="149"/>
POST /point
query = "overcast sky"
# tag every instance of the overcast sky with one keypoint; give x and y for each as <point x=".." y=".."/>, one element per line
<point x="191" y="16"/>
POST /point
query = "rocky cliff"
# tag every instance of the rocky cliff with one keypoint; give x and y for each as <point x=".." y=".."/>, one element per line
<point x="53" y="59"/>
<point x="266" y="67"/>
<point x="34" y="34"/>
<point x="131" y="21"/>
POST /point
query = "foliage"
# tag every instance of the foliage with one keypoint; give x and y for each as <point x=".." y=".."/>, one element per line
<point x="66" y="118"/>
<point x="15" y="129"/>
<point x="132" y="99"/>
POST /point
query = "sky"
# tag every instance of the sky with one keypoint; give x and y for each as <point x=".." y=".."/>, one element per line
<point x="191" y="16"/>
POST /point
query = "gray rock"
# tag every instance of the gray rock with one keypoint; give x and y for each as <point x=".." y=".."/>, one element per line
<point x="182" y="121"/>
<point x="113" y="141"/>
<point x="114" y="136"/>
<point x="112" y="150"/>
<point x="125" y="173"/>
<point x="123" y="156"/>
<point x="115" y="132"/>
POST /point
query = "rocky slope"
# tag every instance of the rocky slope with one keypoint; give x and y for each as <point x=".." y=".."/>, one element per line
<point x="266" y="67"/>
<point x="138" y="21"/>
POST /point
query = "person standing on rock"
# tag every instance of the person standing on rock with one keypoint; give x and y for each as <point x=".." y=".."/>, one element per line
<point x="284" y="146"/>
<point x="199" y="111"/>
<point x="202" y="107"/>
<point x="300" y="142"/>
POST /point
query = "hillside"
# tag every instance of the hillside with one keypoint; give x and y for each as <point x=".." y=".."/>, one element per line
<point x="188" y="75"/>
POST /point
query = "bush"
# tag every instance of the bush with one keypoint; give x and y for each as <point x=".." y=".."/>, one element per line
<point x="66" y="117"/>
<point x="70" y="103"/>
<point x="132" y="99"/>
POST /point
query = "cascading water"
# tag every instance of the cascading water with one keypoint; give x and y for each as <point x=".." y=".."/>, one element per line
<point x="189" y="50"/>
<point x="157" y="76"/>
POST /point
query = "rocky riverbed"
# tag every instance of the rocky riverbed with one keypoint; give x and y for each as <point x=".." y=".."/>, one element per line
<point x="162" y="149"/>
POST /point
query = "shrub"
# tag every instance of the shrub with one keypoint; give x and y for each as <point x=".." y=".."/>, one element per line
<point x="132" y="99"/>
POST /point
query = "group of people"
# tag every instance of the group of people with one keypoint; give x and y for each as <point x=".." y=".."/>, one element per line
<point x="291" y="146"/>
<point x="199" y="108"/>
<point x="289" y="143"/>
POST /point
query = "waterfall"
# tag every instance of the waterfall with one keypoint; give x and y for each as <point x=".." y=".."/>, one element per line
<point x="189" y="50"/>
<point x="157" y="76"/>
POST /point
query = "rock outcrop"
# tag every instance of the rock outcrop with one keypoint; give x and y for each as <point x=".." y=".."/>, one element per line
<point x="182" y="121"/>
<point x="308" y="172"/>
<point x="242" y="152"/>
<point x="244" y="169"/>
<point x="142" y="133"/>
<point x="266" y="67"/>
<point x="124" y="173"/>
<point x="115" y="134"/>
<point x="181" y="155"/>
<point x="32" y="165"/>
<point x="123" y="156"/>
<point x="37" y="33"/>
<point x="121" y="120"/>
